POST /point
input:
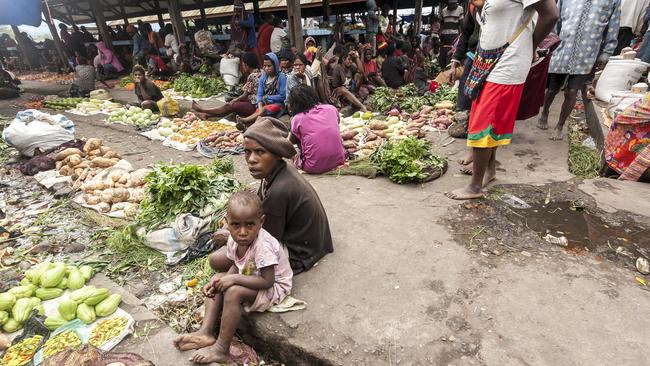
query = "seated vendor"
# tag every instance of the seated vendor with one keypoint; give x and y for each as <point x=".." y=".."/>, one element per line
<point x="303" y="73"/>
<point x="371" y="74"/>
<point x="393" y="70"/>
<point x="156" y="65"/>
<point x="344" y="80"/>
<point x="294" y="213"/>
<point x="245" y="104"/>
<point x="315" y="129"/>
<point x="146" y="91"/>
<point x="271" y="92"/>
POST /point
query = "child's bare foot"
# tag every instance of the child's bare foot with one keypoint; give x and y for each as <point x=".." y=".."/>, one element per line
<point x="466" y="193"/>
<point x="542" y="123"/>
<point x="557" y="134"/>
<point x="214" y="353"/>
<point x="194" y="340"/>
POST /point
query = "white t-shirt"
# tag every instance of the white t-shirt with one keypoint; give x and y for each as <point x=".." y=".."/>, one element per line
<point x="499" y="20"/>
<point x="170" y="41"/>
<point x="276" y="39"/>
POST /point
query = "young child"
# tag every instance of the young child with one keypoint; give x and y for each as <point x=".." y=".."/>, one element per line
<point x="156" y="65"/>
<point x="84" y="78"/>
<point x="260" y="276"/>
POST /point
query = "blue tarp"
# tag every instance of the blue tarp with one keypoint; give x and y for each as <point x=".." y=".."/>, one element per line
<point x="20" y="12"/>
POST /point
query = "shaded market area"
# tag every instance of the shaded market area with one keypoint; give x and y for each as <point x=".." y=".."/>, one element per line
<point x="149" y="175"/>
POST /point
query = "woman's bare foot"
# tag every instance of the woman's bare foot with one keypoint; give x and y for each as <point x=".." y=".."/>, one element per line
<point x="542" y="123"/>
<point x="466" y="193"/>
<point x="466" y="160"/>
<point x="213" y="353"/>
<point x="489" y="178"/>
<point x="194" y="340"/>
<point x="468" y="169"/>
<point x="557" y="134"/>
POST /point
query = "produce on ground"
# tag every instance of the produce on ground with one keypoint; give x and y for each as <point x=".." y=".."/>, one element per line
<point x="106" y="330"/>
<point x="199" y="130"/>
<point x="134" y="116"/>
<point x="62" y="103"/>
<point x="118" y="191"/>
<point x="225" y="139"/>
<point x="43" y="282"/>
<point x="126" y="81"/>
<point x="21" y="353"/>
<point x="48" y="77"/>
<point x="185" y="188"/>
<point x="162" y="84"/>
<point x="199" y="86"/>
<point x="407" y="98"/>
<point x="408" y="161"/>
<point x="60" y="343"/>
<point x="97" y="105"/>
<point x="82" y="166"/>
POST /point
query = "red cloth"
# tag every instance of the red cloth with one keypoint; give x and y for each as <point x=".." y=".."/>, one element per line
<point x="492" y="120"/>
<point x="532" y="98"/>
<point x="370" y="67"/>
<point x="160" y="64"/>
<point x="398" y="53"/>
<point x="264" y="38"/>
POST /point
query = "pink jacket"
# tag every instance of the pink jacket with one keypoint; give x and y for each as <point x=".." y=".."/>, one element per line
<point x="106" y="56"/>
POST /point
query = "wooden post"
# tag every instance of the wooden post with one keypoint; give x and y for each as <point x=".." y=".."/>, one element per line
<point x="326" y="12"/>
<point x="295" y="24"/>
<point x="55" y="36"/>
<point x="161" y="21"/>
<point x="125" y="18"/>
<point x="21" y="48"/>
<point x="394" y="20"/>
<point x="98" y="12"/>
<point x="417" y="22"/>
<point x="256" y="10"/>
<point x="202" y="11"/>
<point x="177" y="21"/>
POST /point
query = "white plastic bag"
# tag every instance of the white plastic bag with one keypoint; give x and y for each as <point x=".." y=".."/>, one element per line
<point x="176" y="239"/>
<point x="26" y="137"/>
<point x="229" y="69"/>
<point x="619" y="75"/>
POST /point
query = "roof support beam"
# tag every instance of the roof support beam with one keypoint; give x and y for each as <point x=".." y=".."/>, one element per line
<point x="295" y="24"/>
<point x="177" y="21"/>
<point x="55" y="36"/>
<point x="98" y="12"/>
<point x="161" y="22"/>
<point x="417" y="22"/>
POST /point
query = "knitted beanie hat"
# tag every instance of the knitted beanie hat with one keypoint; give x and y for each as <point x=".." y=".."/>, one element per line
<point x="272" y="134"/>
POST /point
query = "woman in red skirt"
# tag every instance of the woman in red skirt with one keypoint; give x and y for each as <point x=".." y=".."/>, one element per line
<point x="495" y="110"/>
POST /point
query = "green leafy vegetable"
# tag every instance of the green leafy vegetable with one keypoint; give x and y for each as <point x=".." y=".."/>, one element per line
<point x="407" y="98"/>
<point x="126" y="80"/>
<point x="199" y="86"/>
<point x="407" y="161"/>
<point x="186" y="188"/>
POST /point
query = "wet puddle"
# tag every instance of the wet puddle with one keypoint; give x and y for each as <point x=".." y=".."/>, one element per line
<point x="583" y="230"/>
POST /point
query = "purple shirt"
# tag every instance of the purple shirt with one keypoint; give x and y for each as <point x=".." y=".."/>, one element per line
<point x="320" y="140"/>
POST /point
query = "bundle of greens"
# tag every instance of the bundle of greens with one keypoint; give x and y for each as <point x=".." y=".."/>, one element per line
<point x="126" y="80"/>
<point x="199" y="86"/>
<point x="407" y="98"/>
<point x="408" y="161"/>
<point x="186" y="188"/>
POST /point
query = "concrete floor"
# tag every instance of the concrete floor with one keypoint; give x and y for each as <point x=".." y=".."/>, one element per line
<point x="400" y="290"/>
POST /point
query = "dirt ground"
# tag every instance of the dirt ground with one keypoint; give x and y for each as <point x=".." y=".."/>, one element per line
<point x="418" y="279"/>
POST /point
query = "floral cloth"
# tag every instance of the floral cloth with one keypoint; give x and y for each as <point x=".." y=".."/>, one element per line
<point x="628" y="141"/>
<point x="589" y="33"/>
<point x="251" y="84"/>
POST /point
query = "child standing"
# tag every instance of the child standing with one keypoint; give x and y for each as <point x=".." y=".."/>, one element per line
<point x="260" y="276"/>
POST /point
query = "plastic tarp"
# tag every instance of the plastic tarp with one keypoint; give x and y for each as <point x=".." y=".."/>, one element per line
<point x="28" y="13"/>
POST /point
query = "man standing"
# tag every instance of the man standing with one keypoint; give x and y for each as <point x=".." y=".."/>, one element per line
<point x="87" y="37"/>
<point x="589" y="32"/>
<point x="632" y="19"/>
<point x="372" y="26"/>
<point x="277" y="36"/>
<point x="452" y="16"/>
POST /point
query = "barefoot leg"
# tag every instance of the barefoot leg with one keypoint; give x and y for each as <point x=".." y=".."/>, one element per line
<point x="467" y="159"/>
<point x="467" y="169"/>
<point x="219" y="261"/>
<point x="233" y="297"/>
<point x="551" y="92"/>
<point x="203" y="337"/>
<point x="570" y="97"/>
<point x="218" y="111"/>
<point x="491" y="171"/>
<point x="474" y="189"/>
<point x="351" y="98"/>
<point x="247" y="121"/>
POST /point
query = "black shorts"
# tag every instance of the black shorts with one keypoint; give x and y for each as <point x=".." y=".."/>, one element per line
<point x="577" y="82"/>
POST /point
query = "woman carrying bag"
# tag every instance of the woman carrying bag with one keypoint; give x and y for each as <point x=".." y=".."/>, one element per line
<point x="511" y="30"/>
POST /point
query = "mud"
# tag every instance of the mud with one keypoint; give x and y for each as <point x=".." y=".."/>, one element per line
<point x="494" y="226"/>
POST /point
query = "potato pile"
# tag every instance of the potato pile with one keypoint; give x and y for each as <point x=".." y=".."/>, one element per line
<point x="362" y="140"/>
<point x="225" y="139"/>
<point x="116" y="191"/>
<point x="84" y="165"/>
